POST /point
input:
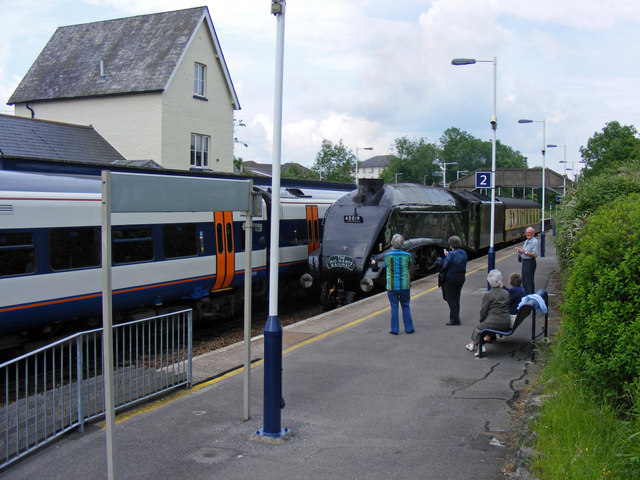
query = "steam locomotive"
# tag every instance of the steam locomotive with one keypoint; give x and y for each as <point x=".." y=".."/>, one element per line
<point x="358" y="229"/>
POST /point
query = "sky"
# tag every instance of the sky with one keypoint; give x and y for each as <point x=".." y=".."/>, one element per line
<point x="366" y="72"/>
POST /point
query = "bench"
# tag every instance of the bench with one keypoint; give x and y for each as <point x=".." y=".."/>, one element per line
<point x="529" y="307"/>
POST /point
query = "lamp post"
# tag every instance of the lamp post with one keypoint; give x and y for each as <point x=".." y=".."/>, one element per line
<point x="398" y="173"/>
<point x="491" y="257"/>
<point x="444" y="172"/>
<point x="360" y="148"/>
<point x="526" y="120"/>
<point x="564" y="162"/>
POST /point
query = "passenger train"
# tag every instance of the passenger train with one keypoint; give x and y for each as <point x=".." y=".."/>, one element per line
<point x="359" y="226"/>
<point x="50" y="251"/>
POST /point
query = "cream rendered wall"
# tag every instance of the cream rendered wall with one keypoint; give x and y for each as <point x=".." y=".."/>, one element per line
<point x="131" y="123"/>
<point x="183" y="114"/>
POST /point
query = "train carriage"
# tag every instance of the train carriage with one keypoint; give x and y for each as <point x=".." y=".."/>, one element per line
<point x="50" y="247"/>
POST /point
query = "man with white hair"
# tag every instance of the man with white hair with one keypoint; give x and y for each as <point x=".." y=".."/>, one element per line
<point x="398" y="266"/>
<point x="528" y="253"/>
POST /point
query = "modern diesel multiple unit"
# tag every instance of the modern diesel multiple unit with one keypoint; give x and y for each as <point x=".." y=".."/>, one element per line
<point x="50" y="251"/>
<point x="359" y="226"/>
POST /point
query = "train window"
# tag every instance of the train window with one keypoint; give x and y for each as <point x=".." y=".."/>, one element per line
<point x="229" y="238"/>
<point x="180" y="240"/>
<point x="74" y="247"/>
<point x="132" y="245"/>
<point x="219" y="240"/>
<point x="17" y="254"/>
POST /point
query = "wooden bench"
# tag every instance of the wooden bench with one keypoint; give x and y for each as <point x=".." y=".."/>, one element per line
<point x="529" y="307"/>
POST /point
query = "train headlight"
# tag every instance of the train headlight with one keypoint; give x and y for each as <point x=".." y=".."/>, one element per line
<point x="366" y="284"/>
<point x="374" y="264"/>
<point x="306" y="280"/>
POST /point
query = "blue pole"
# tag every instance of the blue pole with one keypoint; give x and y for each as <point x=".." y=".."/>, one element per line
<point x="272" y="378"/>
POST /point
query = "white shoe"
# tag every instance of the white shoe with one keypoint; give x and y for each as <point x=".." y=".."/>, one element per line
<point x="470" y="346"/>
<point x="484" y="350"/>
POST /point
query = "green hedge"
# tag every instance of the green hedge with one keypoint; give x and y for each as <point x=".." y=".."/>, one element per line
<point x="601" y="310"/>
<point x="581" y="201"/>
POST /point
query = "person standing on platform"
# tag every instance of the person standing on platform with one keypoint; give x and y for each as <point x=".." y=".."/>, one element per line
<point x="452" y="271"/>
<point x="528" y="253"/>
<point x="398" y="264"/>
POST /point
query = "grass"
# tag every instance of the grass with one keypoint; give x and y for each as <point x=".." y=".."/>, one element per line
<point x="579" y="435"/>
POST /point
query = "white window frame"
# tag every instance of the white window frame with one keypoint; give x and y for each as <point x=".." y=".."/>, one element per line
<point x="199" y="157"/>
<point x="199" y="79"/>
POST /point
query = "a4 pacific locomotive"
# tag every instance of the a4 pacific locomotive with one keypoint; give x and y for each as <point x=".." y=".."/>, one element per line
<point x="50" y="249"/>
<point x="359" y="226"/>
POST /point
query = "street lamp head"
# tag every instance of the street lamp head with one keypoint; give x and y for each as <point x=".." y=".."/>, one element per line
<point x="463" y="61"/>
<point x="525" y="120"/>
<point x="551" y="145"/>
<point x="367" y="148"/>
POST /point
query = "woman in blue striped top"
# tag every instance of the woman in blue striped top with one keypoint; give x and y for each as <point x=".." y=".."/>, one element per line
<point x="398" y="266"/>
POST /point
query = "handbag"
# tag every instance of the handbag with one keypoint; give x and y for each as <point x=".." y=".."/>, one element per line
<point x="519" y="259"/>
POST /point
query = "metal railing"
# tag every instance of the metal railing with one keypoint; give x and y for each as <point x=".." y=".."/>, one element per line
<point x="54" y="389"/>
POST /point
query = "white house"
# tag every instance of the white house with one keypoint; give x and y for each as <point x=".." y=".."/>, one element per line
<point x="156" y="87"/>
<point x="373" y="167"/>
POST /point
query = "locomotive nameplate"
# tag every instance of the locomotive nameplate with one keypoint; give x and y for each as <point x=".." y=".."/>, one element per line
<point x="353" y="219"/>
<point x="341" y="261"/>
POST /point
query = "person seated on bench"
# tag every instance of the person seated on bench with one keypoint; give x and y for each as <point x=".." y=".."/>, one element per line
<point x="516" y="292"/>
<point x="494" y="311"/>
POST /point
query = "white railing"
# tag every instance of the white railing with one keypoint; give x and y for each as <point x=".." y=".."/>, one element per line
<point x="56" y="388"/>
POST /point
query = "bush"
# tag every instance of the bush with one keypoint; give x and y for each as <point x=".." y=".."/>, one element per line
<point x="581" y="201"/>
<point x="601" y="319"/>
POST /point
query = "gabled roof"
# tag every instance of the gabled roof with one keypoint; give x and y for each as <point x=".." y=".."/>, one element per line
<point x="116" y="57"/>
<point x="380" y="161"/>
<point x="25" y="138"/>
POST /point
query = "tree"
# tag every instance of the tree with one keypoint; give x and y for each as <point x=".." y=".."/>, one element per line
<point x="412" y="161"/>
<point x="471" y="153"/>
<point x="295" y="171"/>
<point x="335" y="163"/>
<point x="616" y="145"/>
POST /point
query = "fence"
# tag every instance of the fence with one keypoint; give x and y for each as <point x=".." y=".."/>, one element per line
<point x="54" y="389"/>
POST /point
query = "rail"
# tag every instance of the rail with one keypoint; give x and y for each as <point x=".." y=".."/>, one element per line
<point x="59" y="387"/>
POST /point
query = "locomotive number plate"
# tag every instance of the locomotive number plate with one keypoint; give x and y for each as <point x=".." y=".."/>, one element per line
<point x="341" y="261"/>
<point x="352" y="219"/>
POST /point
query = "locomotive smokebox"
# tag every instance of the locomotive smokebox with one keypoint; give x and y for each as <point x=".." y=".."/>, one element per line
<point x="368" y="188"/>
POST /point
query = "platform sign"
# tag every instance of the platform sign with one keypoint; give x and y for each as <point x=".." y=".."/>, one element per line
<point x="483" y="179"/>
<point x="134" y="192"/>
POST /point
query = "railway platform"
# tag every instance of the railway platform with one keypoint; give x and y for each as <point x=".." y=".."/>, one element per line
<point x="360" y="403"/>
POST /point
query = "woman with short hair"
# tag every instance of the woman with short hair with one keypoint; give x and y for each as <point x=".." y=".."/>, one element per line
<point x="494" y="311"/>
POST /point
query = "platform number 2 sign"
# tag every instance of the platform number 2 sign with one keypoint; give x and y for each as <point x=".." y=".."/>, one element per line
<point x="483" y="179"/>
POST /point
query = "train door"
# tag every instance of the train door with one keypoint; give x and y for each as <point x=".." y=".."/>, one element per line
<point x="225" y="255"/>
<point x="313" y="228"/>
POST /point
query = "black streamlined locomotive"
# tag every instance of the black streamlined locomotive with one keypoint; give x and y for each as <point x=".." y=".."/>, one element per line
<point x="359" y="226"/>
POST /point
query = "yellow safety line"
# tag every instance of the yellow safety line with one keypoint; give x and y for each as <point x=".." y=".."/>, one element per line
<point x="176" y="395"/>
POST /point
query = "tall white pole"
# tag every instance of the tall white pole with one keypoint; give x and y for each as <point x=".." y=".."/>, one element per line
<point x="491" y="257"/>
<point x="544" y="144"/>
<point x="273" y="399"/>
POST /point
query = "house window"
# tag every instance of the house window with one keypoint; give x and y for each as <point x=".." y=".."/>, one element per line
<point x="199" y="71"/>
<point x="199" y="150"/>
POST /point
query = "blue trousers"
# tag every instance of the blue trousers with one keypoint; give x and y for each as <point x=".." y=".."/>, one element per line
<point x="528" y="275"/>
<point x="403" y="297"/>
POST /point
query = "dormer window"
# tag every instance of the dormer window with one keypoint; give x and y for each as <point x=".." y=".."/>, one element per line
<point x="199" y="77"/>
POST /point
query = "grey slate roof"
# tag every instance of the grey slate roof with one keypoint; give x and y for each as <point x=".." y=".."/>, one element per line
<point x="377" y="161"/>
<point x="45" y="140"/>
<point x="139" y="55"/>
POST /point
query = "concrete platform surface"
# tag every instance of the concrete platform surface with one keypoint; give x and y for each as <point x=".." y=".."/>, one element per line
<point x="360" y="403"/>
